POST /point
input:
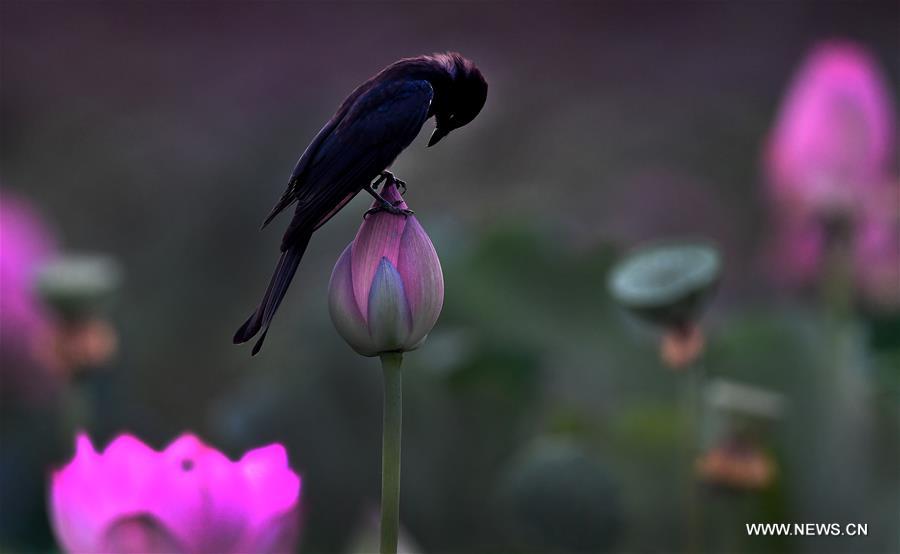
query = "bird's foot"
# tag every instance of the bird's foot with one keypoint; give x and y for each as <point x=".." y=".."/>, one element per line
<point x="387" y="178"/>
<point x="391" y="208"/>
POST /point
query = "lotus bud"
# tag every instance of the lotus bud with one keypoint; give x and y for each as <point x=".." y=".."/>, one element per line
<point x="387" y="288"/>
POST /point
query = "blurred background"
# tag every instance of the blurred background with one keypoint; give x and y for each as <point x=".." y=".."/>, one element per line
<point x="539" y="415"/>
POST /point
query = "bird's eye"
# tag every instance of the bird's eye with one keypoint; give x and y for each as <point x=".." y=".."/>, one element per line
<point x="451" y="117"/>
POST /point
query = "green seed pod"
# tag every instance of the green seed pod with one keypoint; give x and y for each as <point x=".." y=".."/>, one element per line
<point x="667" y="284"/>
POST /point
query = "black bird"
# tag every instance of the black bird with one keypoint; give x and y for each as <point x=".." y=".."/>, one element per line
<point x="369" y="130"/>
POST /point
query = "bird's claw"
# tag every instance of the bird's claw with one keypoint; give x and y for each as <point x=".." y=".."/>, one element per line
<point x="390" y="208"/>
<point x="387" y="178"/>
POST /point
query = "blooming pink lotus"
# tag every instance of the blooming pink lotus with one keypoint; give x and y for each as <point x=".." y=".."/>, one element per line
<point x="387" y="288"/>
<point x="25" y="244"/>
<point x="189" y="498"/>
<point x="828" y="160"/>
<point x="834" y="134"/>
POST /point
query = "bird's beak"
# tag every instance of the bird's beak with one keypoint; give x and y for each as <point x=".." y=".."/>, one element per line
<point x="437" y="135"/>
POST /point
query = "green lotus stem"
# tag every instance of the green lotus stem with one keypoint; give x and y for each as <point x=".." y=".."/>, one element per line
<point x="837" y="281"/>
<point x="694" y="378"/>
<point x="390" y="451"/>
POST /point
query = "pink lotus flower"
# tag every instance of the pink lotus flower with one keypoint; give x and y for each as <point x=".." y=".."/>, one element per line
<point x="189" y="498"/>
<point x="387" y="288"/>
<point x="834" y="134"/>
<point x="25" y="244"/>
<point x="828" y="161"/>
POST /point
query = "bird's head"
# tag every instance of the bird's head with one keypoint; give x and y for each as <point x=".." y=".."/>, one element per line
<point x="464" y="95"/>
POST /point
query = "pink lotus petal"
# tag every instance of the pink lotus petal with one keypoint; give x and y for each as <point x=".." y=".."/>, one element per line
<point x="391" y="194"/>
<point x="190" y="495"/>
<point x="834" y="132"/>
<point x="195" y="474"/>
<point x="139" y="534"/>
<point x="273" y="487"/>
<point x="423" y="280"/>
<point x="387" y="288"/>
<point x="76" y="512"/>
<point x="388" y="317"/>
<point x="25" y="245"/>
<point x="377" y="238"/>
<point x="344" y="309"/>
<point x="275" y="536"/>
<point x="25" y="242"/>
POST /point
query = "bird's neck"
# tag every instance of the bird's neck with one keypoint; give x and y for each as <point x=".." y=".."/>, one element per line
<point x="437" y="75"/>
<point x="423" y="68"/>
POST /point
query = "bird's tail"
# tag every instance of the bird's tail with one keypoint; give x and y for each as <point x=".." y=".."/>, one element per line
<point x="284" y="272"/>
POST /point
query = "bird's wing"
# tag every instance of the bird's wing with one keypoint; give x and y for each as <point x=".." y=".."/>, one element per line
<point x="290" y="194"/>
<point x="377" y="127"/>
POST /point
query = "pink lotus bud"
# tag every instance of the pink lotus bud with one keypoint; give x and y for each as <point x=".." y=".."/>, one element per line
<point x="387" y="288"/>
<point x="189" y="498"/>
<point x="834" y="134"/>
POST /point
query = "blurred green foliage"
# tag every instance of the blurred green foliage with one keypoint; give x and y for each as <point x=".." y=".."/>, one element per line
<point x="162" y="133"/>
